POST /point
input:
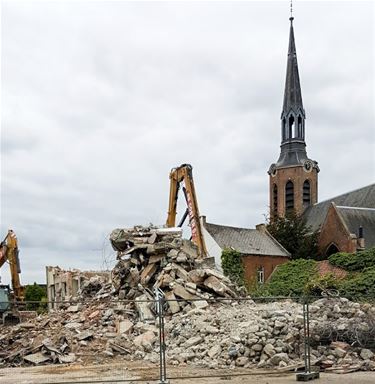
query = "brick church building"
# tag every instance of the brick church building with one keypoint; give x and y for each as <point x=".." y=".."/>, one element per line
<point x="346" y="223"/>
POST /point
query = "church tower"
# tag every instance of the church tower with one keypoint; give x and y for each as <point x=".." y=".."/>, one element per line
<point x="294" y="177"/>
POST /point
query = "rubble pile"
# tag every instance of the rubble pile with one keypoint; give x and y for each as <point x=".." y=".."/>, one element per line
<point x="271" y="335"/>
<point x="241" y="334"/>
<point x="152" y="257"/>
<point x="118" y="319"/>
<point x="92" y="286"/>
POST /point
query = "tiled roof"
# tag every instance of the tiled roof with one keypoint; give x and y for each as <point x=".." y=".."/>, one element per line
<point x="324" y="268"/>
<point x="246" y="241"/>
<point x="356" y="217"/>
<point x="363" y="197"/>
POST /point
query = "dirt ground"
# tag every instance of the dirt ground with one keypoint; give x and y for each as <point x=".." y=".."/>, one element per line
<point x="135" y="372"/>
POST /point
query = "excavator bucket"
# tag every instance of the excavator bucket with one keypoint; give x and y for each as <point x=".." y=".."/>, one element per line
<point x="10" y="318"/>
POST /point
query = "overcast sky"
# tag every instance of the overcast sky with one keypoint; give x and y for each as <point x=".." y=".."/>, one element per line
<point x="99" y="100"/>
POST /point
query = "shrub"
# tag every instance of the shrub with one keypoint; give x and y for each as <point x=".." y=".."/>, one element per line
<point x="354" y="261"/>
<point x="359" y="285"/>
<point x="318" y="284"/>
<point x="289" y="279"/>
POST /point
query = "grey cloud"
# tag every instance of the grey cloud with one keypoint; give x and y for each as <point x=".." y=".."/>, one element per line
<point x="101" y="99"/>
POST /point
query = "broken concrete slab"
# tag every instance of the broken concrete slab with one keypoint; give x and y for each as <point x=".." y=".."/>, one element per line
<point x="67" y="359"/>
<point x="200" y="304"/>
<point x="172" y="302"/>
<point x="180" y="291"/>
<point x="36" y="358"/>
<point x="142" y="304"/>
<point x="125" y="326"/>
<point x="84" y="335"/>
<point x="147" y="273"/>
<point x="215" y="284"/>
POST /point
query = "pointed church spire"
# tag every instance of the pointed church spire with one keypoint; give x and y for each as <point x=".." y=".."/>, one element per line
<point x="292" y="92"/>
<point x="294" y="177"/>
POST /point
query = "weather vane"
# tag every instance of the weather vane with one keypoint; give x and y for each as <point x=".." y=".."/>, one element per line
<point x="291" y="8"/>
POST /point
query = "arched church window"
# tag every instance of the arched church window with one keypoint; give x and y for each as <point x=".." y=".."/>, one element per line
<point x="289" y="195"/>
<point x="306" y="193"/>
<point x="291" y="127"/>
<point x="331" y="250"/>
<point x="275" y="199"/>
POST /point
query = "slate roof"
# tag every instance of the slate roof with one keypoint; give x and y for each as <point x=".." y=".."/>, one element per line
<point x="292" y="92"/>
<point x="363" y="197"/>
<point x="356" y="217"/>
<point x="246" y="241"/>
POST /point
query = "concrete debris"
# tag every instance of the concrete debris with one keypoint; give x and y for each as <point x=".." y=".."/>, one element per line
<point x="36" y="358"/>
<point x="118" y="319"/>
<point x="241" y="334"/>
<point x="270" y="335"/>
<point x="152" y="257"/>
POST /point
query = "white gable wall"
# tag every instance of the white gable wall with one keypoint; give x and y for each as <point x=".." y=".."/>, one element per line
<point x="213" y="248"/>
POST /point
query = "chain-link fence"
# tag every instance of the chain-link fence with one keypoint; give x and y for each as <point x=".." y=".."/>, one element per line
<point x="159" y="339"/>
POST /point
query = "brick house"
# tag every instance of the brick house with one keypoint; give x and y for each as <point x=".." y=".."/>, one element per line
<point x="261" y="253"/>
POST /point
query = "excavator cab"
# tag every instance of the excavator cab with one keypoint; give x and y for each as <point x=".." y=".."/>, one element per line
<point x="4" y="298"/>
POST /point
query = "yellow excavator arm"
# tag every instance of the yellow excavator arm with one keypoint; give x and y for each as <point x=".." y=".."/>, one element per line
<point x="184" y="173"/>
<point x="9" y="253"/>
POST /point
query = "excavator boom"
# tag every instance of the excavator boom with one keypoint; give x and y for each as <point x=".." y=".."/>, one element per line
<point x="184" y="173"/>
<point x="9" y="253"/>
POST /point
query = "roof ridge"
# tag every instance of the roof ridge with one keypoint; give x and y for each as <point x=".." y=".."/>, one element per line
<point x="229" y="226"/>
<point x="357" y="208"/>
<point x="275" y="241"/>
<point x="343" y="194"/>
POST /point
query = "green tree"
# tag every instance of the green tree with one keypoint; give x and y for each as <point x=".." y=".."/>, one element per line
<point x="35" y="292"/>
<point x="295" y="235"/>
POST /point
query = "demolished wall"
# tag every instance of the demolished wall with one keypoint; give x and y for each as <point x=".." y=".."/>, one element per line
<point x="66" y="285"/>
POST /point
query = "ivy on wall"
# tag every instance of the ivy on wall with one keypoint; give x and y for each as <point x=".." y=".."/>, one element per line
<point x="231" y="262"/>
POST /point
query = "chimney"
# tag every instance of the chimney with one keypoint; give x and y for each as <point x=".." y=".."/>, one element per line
<point x="203" y="220"/>
<point x="361" y="239"/>
<point x="261" y="228"/>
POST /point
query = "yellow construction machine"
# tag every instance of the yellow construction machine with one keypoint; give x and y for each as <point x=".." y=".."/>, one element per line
<point x="177" y="176"/>
<point x="11" y="296"/>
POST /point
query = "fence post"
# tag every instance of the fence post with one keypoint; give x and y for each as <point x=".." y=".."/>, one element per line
<point x="307" y="374"/>
<point x="159" y="297"/>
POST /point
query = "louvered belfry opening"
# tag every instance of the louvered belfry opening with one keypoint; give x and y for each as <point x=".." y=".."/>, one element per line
<point x="274" y="199"/>
<point x="289" y="196"/>
<point x="306" y="193"/>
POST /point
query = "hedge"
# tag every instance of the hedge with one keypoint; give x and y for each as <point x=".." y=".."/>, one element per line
<point x="354" y="261"/>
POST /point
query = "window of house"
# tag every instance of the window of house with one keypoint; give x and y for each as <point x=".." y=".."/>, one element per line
<point x="260" y="275"/>
<point x="289" y="195"/>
